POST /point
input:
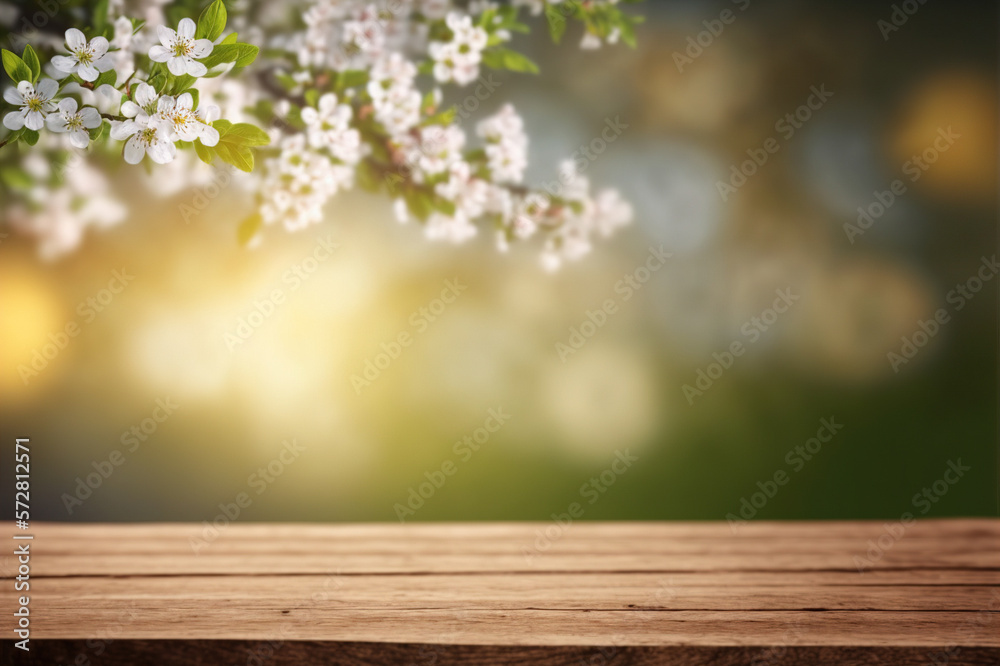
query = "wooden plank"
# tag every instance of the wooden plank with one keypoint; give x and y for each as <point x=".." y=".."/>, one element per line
<point x="500" y="593"/>
<point x="296" y="653"/>
<point x="507" y="592"/>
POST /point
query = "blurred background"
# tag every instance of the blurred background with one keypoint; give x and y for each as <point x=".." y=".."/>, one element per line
<point x="365" y="450"/>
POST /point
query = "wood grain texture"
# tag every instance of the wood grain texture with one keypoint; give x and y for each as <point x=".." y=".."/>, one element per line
<point x="506" y="593"/>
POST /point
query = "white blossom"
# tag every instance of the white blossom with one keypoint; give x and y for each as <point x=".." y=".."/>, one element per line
<point x="187" y="124"/>
<point x="35" y="103"/>
<point x="146" y="135"/>
<point x="507" y="145"/>
<point x="180" y="50"/>
<point x="145" y="98"/>
<point x="86" y="59"/>
<point x="76" y="123"/>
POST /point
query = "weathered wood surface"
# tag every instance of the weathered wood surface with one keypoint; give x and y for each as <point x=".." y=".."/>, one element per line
<point x="498" y="593"/>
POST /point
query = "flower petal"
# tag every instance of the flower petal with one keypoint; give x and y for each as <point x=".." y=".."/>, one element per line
<point x="166" y="104"/>
<point x="134" y="151"/>
<point x="185" y="102"/>
<point x="13" y="120"/>
<point x="209" y="136"/>
<point x="91" y="117"/>
<point x="159" y="53"/>
<point x="105" y="63"/>
<point x="79" y="138"/>
<point x="210" y="113"/>
<point x="87" y="72"/>
<point x="195" y="68"/>
<point x="55" y="123"/>
<point x="123" y="130"/>
<point x="162" y="152"/>
<point x="166" y="36"/>
<point x="99" y="45"/>
<point x="25" y="88"/>
<point x="63" y="63"/>
<point x="202" y="48"/>
<point x="144" y="94"/>
<point x="177" y="66"/>
<point x="130" y="109"/>
<point x="67" y="106"/>
<point x="75" y="39"/>
<point x="12" y="96"/>
<point x="46" y="88"/>
<point x="186" y="28"/>
<point x="34" y="120"/>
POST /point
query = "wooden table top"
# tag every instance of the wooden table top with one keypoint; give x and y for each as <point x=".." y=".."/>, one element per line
<point x="511" y="593"/>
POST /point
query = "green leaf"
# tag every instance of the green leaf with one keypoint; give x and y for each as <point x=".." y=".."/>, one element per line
<point x="443" y="118"/>
<point x="368" y="176"/>
<point x="109" y="77"/>
<point x="205" y="153"/>
<point x="16" y="178"/>
<point x="246" y="134"/>
<point x="501" y="58"/>
<point x="248" y="53"/>
<point x="445" y="206"/>
<point x="230" y="38"/>
<point x="419" y="203"/>
<point x="30" y="137"/>
<point x="518" y="62"/>
<point x="98" y="131"/>
<point x="241" y="54"/>
<point x="100" y="16"/>
<point x="351" y="78"/>
<point x="182" y="84"/>
<point x="223" y="126"/>
<point x="240" y="157"/>
<point x="312" y="97"/>
<point x="16" y="69"/>
<point x="248" y="228"/>
<point x="212" y="21"/>
<point x="31" y="60"/>
<point x="557" y="22"/>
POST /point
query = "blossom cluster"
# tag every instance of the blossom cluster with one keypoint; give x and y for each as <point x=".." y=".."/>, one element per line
<point x="363" y="65"/>
<point x="347" y="101"/>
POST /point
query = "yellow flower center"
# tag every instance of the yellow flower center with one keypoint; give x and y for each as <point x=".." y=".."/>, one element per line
<point x="84" y="56"/>
<point x="182" y="47"/>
